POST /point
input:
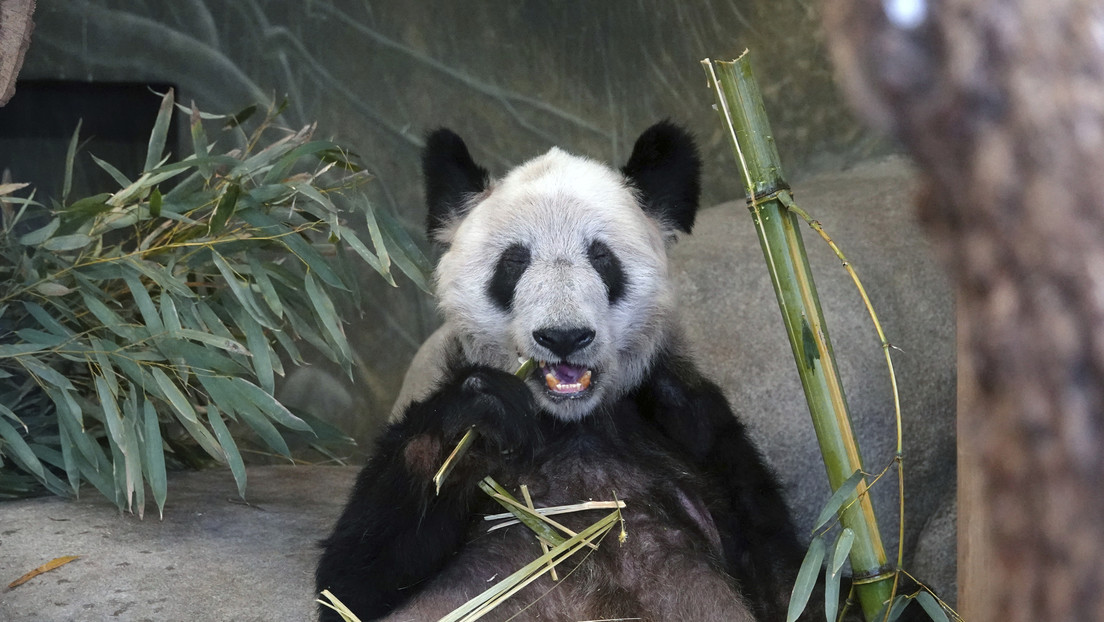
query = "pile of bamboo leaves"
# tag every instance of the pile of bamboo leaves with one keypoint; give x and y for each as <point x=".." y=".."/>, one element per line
<point x="140" y="327"/>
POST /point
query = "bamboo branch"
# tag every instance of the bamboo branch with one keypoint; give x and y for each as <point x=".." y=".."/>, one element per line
<point x="744" y="118"/>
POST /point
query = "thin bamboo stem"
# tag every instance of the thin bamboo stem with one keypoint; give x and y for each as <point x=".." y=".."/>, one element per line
<point x="744" y="117"/>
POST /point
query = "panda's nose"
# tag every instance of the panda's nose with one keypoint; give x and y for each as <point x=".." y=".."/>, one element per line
<point x="564" y="341"/>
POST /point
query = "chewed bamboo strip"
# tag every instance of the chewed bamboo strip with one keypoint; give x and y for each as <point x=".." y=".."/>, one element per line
<point x="554" y="510"/>
<point x="537" y="523"/>
<point x="453" y="458"/>
<point x="544" y="545"/>
<point x="491" y="598"/>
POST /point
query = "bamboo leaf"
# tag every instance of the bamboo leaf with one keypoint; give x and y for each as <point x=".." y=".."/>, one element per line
<point x="174" y="395"/>
<point x="108" y="318"/>
<point x="111" y="414"/>
<point x="51" y="289"/>
<point x="161" y="276"/>
<point x="155" y="456"/>
<point x="324" y="308"/>
<point x="83" y="209"/>
<point x="296" y="244"/>
<point x="899" y="603"/>
<point x="410" y="260"/>
<point x="223" y="343"/>
<point x="206" y="116"/>
<point x="199" y="141"/>
<point x="233" y="457"/>
<point x="45" y="320"/>
<point x="806" y="579"/>
<point x="225" y="208"/>
<point x="100" y="349"/>
<point x="6" y="189"/>
<point x="350" y="238"/>
<point x="70" y="157"/>
<point x="377" y="239"/>
<point x="281" y="169"/>
<point x="229" y="397"/>
<point x="132" y="456"/>
<point x="832" y="574"/>
<point x="169" y="316"/>
<point x="16" y="448"/>
<point x="203" y="437"/>
<point x="264" y="283"/>
<point x="288" y="344"/>
<point x="72" y="469"/>
<point x="40" y="235"/>
<point x="257" y="343"/>
<point x="155" y="203"/>
<point x="70" y="242"/>
<point x="53" y="564"/>
<point x="264" y="429"/>
<point x="115" y="173"/>
<point x="838" y="498"/>
<point x="841" y="550"/>
<point x="268" y="405"/>
<point x="241" y="117"/>
<point x="44" y="372"/>
<point x="160" y="132"/>
<point x="931" y="607"/>
<point x="145" y="304"/>
<point x="243" y="294"/>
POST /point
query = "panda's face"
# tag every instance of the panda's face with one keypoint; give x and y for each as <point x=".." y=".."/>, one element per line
<point x="560" y="262"/>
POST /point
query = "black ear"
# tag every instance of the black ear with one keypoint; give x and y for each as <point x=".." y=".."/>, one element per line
<point x="666" y="169"/>
<point x="451" y="177"/>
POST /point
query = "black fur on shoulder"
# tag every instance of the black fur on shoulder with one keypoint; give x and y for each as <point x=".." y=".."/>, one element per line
<point x="666" y="168"/>
<point x="451" y="178"/>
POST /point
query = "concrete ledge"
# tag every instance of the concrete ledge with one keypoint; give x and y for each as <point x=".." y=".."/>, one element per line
<point x="211" y="558"/>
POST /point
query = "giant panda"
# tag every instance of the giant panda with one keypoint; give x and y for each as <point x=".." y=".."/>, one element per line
<point x="563" y="260"/>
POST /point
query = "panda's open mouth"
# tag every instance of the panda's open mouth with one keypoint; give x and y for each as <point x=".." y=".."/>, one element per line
<point x="565" y="380"/>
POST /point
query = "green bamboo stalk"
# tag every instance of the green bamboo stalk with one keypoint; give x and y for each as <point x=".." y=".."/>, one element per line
<point x="744" y="118"/>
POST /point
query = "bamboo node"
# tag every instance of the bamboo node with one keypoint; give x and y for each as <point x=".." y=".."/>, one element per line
<point x="756" y="199"/>
<point x="883" y="574"/>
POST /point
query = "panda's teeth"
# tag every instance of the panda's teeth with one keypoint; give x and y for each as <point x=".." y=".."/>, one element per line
<point x="554" y="383"/>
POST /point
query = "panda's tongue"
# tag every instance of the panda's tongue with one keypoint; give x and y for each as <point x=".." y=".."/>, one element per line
<point x="566" y="378"/>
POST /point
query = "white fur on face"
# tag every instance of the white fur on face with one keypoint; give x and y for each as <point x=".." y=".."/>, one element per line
<point x="556" y="205"/>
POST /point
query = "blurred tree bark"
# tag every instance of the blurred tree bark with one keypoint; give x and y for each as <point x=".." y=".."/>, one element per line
<point x="15" y="37"/>
<point x="1001" y="102"/>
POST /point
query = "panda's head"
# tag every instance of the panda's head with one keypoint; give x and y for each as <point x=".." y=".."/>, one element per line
<point x="563" y="260"/>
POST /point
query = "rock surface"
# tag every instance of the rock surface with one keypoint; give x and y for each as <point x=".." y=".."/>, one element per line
<point x="212" y="557"/>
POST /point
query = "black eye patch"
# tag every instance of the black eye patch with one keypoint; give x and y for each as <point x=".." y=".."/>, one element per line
<point x="512" y="263"/>
<point x="608" y="266"/>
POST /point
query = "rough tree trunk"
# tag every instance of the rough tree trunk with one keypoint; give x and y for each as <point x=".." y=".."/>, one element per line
<point x="1001" y="102"/>
<point x="15" y="37"/>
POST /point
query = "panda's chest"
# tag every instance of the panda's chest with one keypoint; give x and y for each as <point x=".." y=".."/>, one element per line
<point x="662" y="493"/>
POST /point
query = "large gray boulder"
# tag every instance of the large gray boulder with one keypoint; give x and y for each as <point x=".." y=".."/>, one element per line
<point x="734" y="326"/>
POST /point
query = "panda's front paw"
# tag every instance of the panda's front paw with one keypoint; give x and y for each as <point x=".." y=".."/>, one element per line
<point x="497" y="404"/>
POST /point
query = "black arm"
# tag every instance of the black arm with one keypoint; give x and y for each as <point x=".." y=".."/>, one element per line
<point x="395" y="531"/>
